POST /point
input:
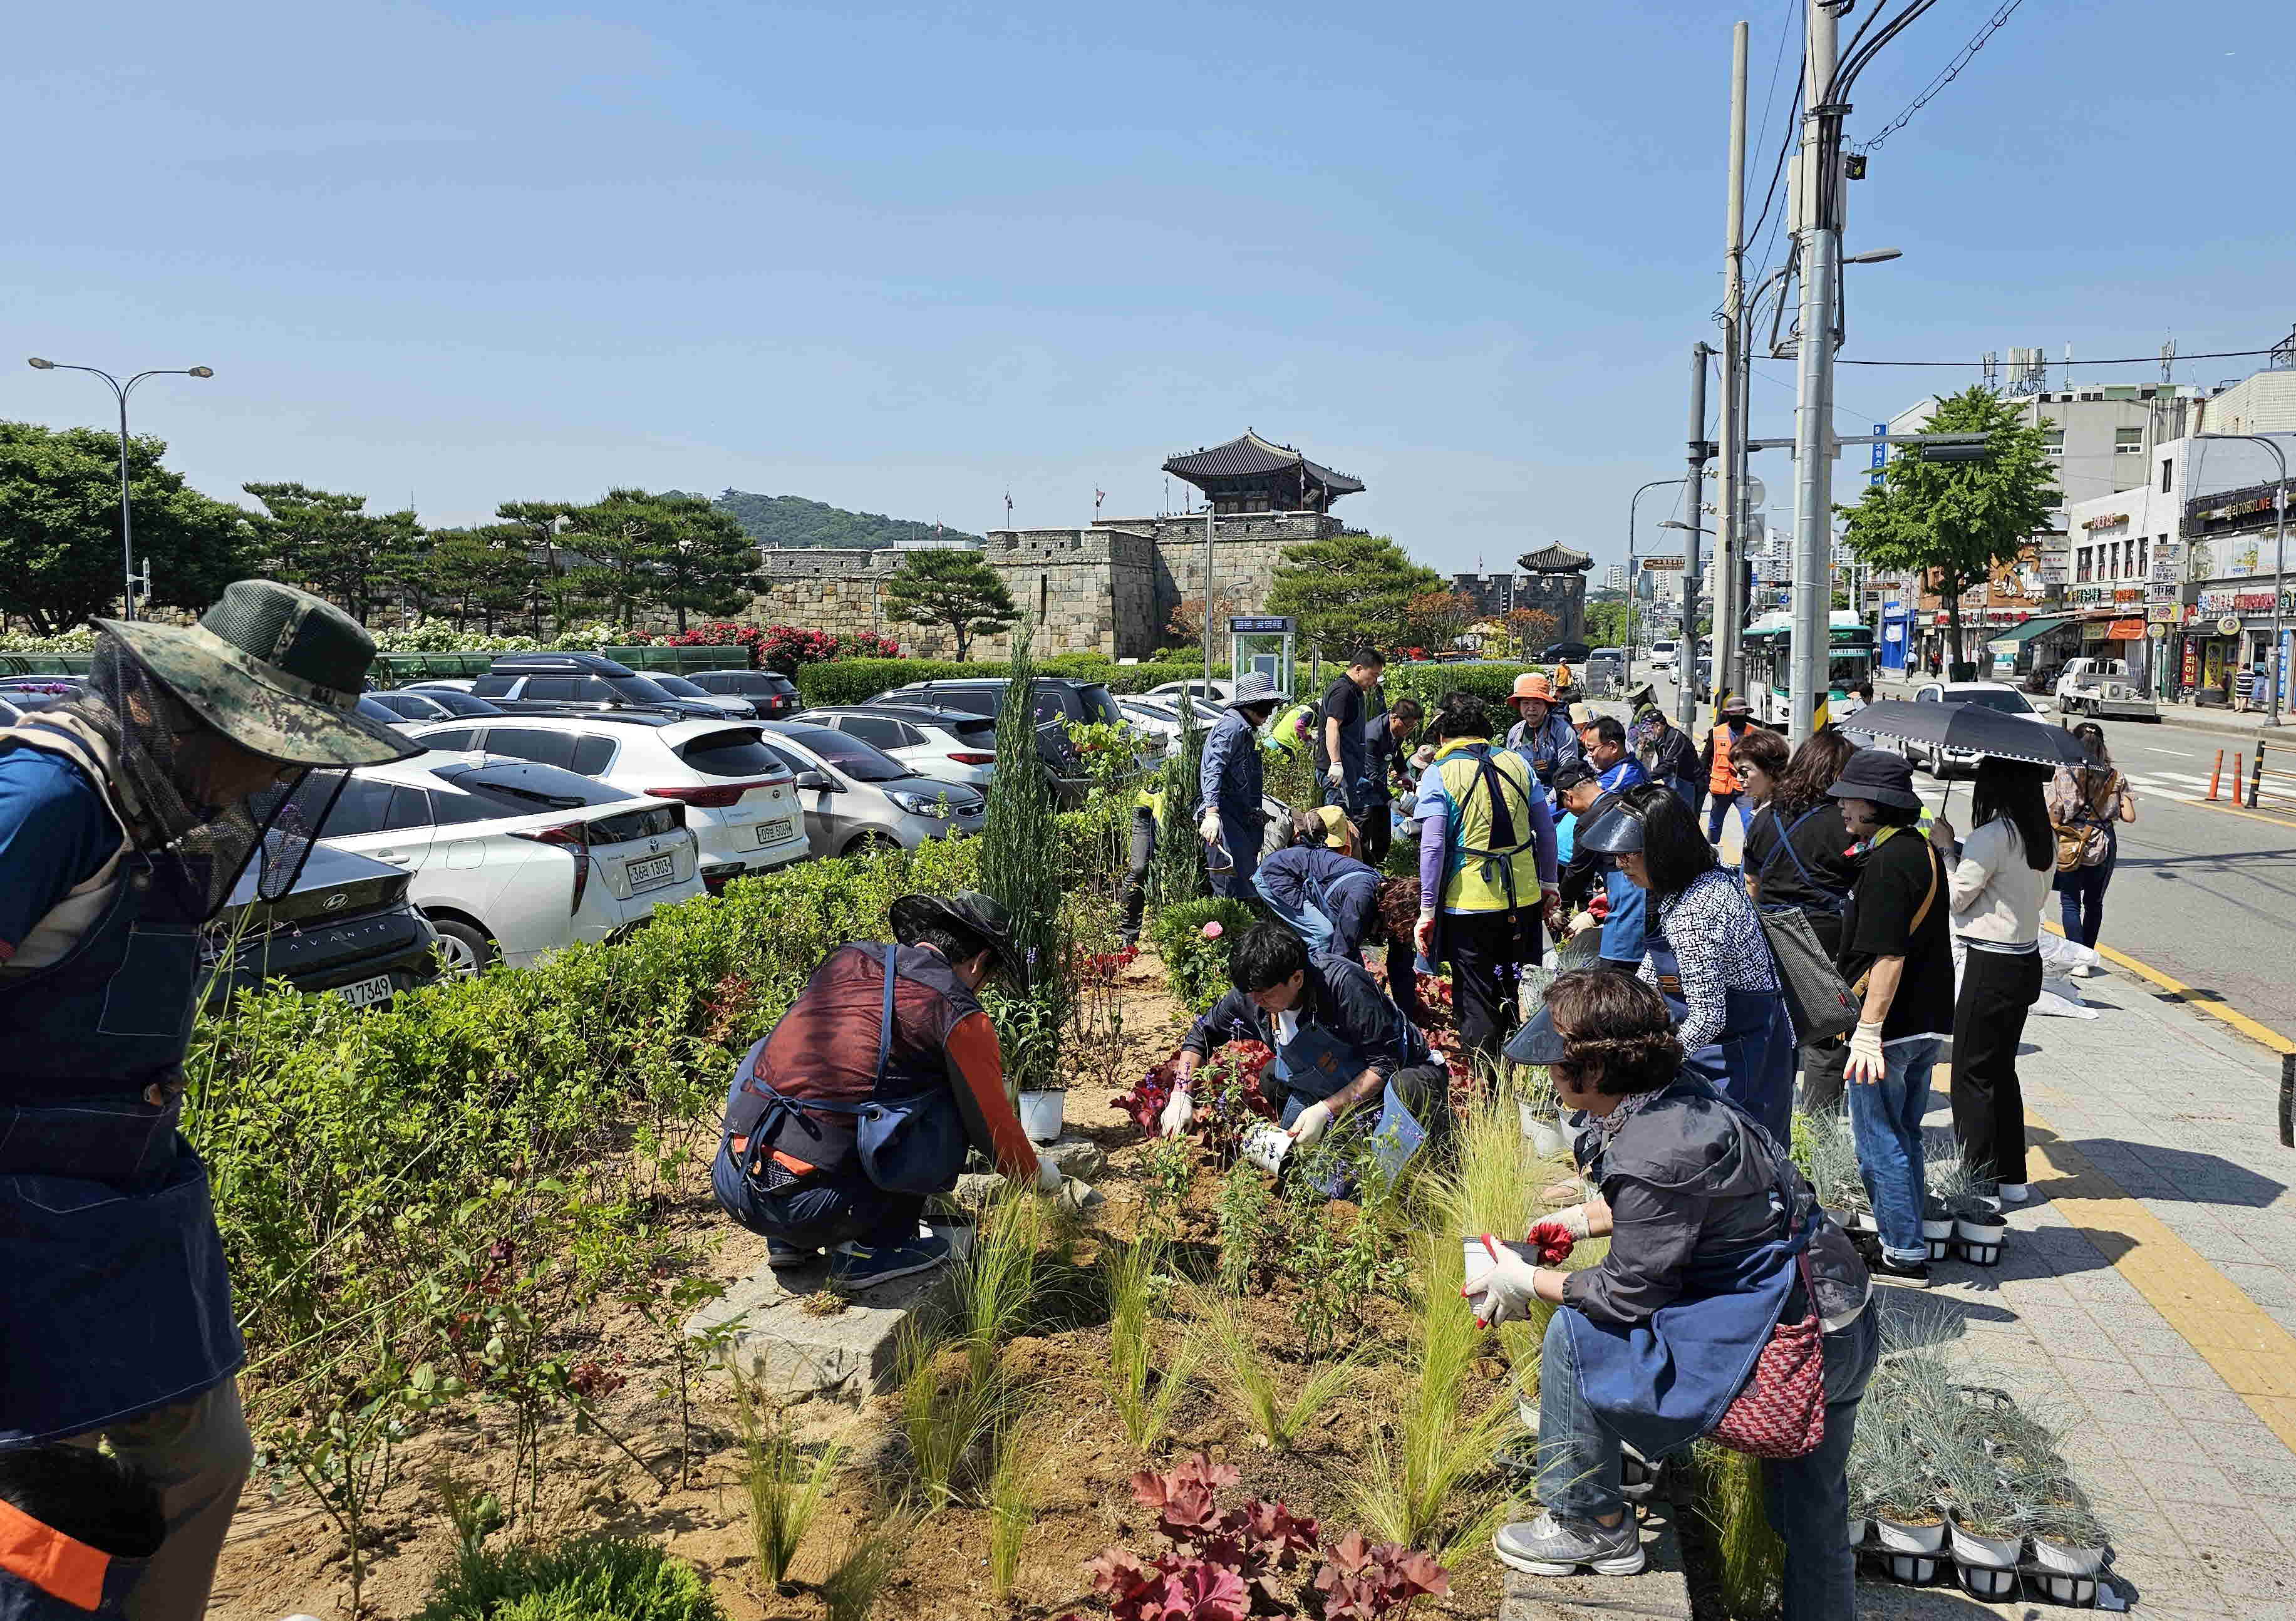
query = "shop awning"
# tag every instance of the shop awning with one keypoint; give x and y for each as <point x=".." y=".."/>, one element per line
<point x="2030" y="629"/>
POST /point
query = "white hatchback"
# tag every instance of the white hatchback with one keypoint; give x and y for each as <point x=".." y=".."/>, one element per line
<point x="512" y="859"/>
<point x="742" y="800"/>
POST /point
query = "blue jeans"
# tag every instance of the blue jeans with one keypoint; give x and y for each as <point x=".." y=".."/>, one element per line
<point x="1313" y="928"/>
<point x="2080" y="894"/>
<point x="1807" y="1500"/>
<point x="1885" y="1120"/>
<point x="1718" y="807"/>
<point x="834" y="1207"/>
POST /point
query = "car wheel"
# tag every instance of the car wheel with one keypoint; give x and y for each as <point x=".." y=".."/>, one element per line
<point x="465" y="947"/>
<point x="872" y="844"/>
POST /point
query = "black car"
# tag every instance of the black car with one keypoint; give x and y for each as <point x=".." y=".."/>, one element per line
<point x="433" y="703"/>
<point x="347" y="927"/>
<point x="1569" y="653"/>
<point x="517" y="681"/>
<point x="775" y="697"/>
<point x="1060" y="700"/>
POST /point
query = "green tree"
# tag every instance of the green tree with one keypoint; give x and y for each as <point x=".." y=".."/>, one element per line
<point x="943" y="586"/>
<point x="60" y="555"/>
<point x="661" y="550"/>
<point x="482" y="573"/>
<point x="1606" y="624"/>
<point x="330" y="543"/>
<point x="1349" y="590"/>
<point x="1957" y="521"/>
<point x="540" y="523"/>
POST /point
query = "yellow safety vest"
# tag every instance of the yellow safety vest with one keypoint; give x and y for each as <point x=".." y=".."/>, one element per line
<point x="1475" y="871"/>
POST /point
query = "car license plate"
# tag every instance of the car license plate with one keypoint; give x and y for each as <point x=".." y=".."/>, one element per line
<point x="776" y="832"/>
<point x="367" y="993"/>
<point x="651" y="874"/>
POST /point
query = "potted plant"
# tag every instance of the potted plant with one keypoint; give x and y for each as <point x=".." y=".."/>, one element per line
<point x="1892" y="1485"/>
<point x="2069" y="1539"/>
<point x="1539" y="1109"/>
<point x="951" y="1223"/>
<point x="1946" y="1177"/>
<point x="1990" y="1511"/>
<point x="1042" y="1110"/>
<point x="1979" y="1231"/>
<point x="1827" y="1155"/>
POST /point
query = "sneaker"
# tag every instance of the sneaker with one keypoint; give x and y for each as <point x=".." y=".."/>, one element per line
<point x="864" y="1266"/>
<point x="787" y="1258"/>
<point x="2015" y="1192"/>
<point x="1552" y="1546"/>
<point x="1906" y="1274"/>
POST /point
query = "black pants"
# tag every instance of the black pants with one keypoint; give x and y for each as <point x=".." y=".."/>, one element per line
<point x="1486" y="967"/>
<point x="1376" y="825"/>
<point x="1403" y="981"/>
<point x="1997" y="990"/>
<point x="1136" y="871"/>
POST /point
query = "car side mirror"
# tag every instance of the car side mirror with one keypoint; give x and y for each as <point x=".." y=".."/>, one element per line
<point x="818" y="779"/>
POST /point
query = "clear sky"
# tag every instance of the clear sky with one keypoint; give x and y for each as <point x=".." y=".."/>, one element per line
<point x="900" y="257"/>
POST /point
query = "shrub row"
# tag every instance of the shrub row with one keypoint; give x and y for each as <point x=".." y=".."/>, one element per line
<point x="849" y="681"/>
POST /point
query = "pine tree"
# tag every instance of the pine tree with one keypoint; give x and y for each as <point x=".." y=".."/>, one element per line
<point x="946" y="585"/>
<point x="1349" y="590"/>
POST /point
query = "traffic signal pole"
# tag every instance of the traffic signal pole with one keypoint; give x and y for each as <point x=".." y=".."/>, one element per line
<point x="1819" y="224"/>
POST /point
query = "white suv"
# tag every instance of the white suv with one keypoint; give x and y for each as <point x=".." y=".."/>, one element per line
<point x="510" y="859"/>
<point x="741" y="800"/>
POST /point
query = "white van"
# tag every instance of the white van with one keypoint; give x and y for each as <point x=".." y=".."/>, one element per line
<point x="1665" y="655"/>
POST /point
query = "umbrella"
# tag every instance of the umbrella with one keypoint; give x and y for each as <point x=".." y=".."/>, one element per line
<point x="1971" y="728"/>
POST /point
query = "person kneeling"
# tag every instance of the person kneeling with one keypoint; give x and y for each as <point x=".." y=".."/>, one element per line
<point x="1314" y="886"/>
<point x="1344" y="1054"/>
<point x="861" y="1100"/>
<point x="1716" y="1241"/>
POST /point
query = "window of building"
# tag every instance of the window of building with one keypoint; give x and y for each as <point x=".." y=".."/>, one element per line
<point x="2166" y="465"/>
<point x="2114" y="559"/>
<point x="2129" y="441"/>
<point x="2144" y="558"/>
<point x="2081" y="564"/>
<point x="2052" y="442"/>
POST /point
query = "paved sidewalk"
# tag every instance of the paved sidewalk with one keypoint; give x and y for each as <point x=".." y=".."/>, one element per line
<point x="2146" y="1296"/>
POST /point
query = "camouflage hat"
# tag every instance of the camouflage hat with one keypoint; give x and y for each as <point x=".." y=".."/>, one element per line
<point x="276" y="670"/>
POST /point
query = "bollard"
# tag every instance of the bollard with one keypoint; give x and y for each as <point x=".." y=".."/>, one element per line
<point x="2216" y="775"/>
<point x="2238" y="761"/>
<point x="2256" y="777"/>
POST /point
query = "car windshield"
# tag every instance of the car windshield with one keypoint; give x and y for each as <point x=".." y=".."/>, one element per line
<point x="637" y="689"/>
<point x="863" y="762"/>
<point x="1846" y="670"/>
<point x="1100" y="706"/>
<point x="458" y="703"/>
<point x="522" y="790"/>
<point x="677" y="685"/>
<point x="2003" y="699"/>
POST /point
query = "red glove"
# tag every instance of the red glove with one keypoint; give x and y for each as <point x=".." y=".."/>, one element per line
<point x="1601" y="907"/>
<point x="1555" y="1239"/>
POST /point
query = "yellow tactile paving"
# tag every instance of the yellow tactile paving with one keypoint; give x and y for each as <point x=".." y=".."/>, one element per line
<point x="2207" y="1001"/>
<point x="2253" y="1355"/>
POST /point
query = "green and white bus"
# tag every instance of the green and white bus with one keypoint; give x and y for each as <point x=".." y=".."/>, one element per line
<point x="1769" y="661"/>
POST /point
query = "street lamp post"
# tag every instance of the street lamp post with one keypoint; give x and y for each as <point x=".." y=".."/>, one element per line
<point x="2279" y="555"/>
<point x="121" y="391"/>
<point x="1632" y="581"/>
<point x="1685" y="664"/>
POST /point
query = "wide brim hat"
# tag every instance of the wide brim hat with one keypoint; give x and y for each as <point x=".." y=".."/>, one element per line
<point x="276" y="670"/>
<point x="1531" y="686"/>
<point x="1642" y="693"/>
<point x="1537" y="1041"/>
<point x="1879" y="776"/>
<point x="1256" y="690"/>
<point x="1736" y="708"/>
<point x="968" y="913"/>
<point x="1617" y="832"/>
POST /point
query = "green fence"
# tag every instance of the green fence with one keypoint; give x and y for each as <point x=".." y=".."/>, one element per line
<point x="397" y="669"/>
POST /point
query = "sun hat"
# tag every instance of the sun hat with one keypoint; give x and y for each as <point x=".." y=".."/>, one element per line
<point x="968" y="913"/>
<point x="1337" y="831"/>
<point x="1879" y="776"/>
<point x="1531" y="686"/>
<point x="276" y="670"/>
<point x="1617" y="832"/>
<point x="1255" y="690"/>
<point x="1537" y="1041"/>
<point x="1738" y="707"/>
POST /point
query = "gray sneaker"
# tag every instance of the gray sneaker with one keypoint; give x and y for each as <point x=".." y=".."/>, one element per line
<point x="1549" y="1546"/>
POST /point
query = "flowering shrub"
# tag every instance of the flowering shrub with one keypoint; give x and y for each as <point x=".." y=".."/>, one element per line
<point x="1225" y="1565"/>
<point x="1226" y="1091"/>
<point x="1196" y="957"/>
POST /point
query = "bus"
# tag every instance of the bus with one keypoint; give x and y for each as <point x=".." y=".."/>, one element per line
<point x="1769" y="663"/>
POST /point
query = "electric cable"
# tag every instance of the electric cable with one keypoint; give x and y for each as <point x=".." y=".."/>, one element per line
<point x="1945" y="76"/>
<point x="2125" y="360"/>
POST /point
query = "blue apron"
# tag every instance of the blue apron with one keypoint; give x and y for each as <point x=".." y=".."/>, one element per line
<point x="1322" y="896"/>
<point x="1661" y="1383"/>
<point x="1314" y="1064"/>
<point x="117" y="1300"/>
<point x="1752" y="1064"/>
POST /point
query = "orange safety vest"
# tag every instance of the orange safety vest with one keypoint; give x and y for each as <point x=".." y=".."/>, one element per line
<point x="1722" y="776"/>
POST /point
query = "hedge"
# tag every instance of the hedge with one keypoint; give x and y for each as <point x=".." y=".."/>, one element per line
<point x="849" y="681"/>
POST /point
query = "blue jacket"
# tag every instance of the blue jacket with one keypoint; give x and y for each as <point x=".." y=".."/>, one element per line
<point x="1299" y="876"/>
<point x="1229" y="779"/>
<point x="1338" y="997"/>
<point x="1555" y="743"/>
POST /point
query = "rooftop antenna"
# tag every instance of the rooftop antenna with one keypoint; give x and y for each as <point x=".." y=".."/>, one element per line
<point x="2069" y="368"/>
<point x="2168" y="360"/>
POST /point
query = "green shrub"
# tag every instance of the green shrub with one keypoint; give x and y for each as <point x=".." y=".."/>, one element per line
<point x="845" y="681"/>
<point x="1427" y="683"/>
<point x="583" y="1578"/>
<point x="1197" y="968"/>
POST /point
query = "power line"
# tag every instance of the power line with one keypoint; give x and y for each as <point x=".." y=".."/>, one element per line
<point x="1946" y="75"/>
<point x="2128" y="360"/>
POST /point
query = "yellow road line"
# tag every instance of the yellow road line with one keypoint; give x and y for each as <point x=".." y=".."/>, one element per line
<point x="2207" y="1001"/>
<point x="2252" y="1353"/>
<point x="2230" y="810"/>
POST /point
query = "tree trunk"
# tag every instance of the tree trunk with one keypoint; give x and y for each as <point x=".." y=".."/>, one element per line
<point x="964" y="641"/>
<point x="681" y="617"/>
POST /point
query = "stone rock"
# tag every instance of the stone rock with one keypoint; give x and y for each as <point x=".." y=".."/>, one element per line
<point x="778" y="1344"/>
<point x="1078" y="1157"/>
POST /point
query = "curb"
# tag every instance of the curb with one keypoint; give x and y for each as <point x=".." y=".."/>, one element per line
<point x="2225" y="728"/>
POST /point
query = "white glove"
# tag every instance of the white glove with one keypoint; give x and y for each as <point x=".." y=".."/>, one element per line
<point x="1571" y="1220"/>
<point x="1178" y="1114"/>
<point x="1314" y="1121"/>
<point x="1209" y="825"/>
<point x="1506" y="1290"/>
<point x="1050" y="1177"/>
<point x="1581" y="921"/>
<point x="1868" y="1063"/>
<point x="1336" y="774"/>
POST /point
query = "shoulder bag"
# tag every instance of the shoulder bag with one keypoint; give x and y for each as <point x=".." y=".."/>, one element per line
<point x="1781" y="1413"/>
<point x="2081" y="841"/>
<point x="1819" y="1000"/>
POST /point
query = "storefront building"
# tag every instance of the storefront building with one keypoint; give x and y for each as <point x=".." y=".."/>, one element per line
<point x="2236" y="599"/>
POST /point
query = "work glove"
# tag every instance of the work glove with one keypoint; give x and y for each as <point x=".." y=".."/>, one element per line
<point x="1209" y="825"/>
<point x="1314" y="1121"/>
<point x="1866" y="1064"/>
<point x="1558" y="1234"/>
<point x="1335" y="774"/>
<point x="1506" y="1291"/>
<point x="1422" y="936"/>
<point x="1581" y="921"/>
<point x="1178" y="1114"/>
<point x="1050" y="1177"/>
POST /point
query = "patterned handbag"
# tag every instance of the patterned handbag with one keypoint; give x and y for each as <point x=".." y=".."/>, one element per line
<point x="1781" y="1413"/>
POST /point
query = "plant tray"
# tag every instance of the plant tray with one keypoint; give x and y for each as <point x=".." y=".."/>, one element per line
<point x="1987" y="1581"/>
<point x="1976" y="1253"/>
<point x="2055" y="1587"/>
<point x="1912" y="1569"/>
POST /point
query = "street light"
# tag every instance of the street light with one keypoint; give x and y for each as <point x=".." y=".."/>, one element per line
<point x="121" y="391"/>
<point x="2279" y="556"/>
<point x="1687" y="672"/>
<point x="1875" y="256"/>
<point x="1632" y="580"/>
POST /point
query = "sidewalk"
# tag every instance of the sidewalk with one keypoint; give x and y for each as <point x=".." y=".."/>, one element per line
<point x="2146" y="1296"/>
<point x="2189" y="717"/>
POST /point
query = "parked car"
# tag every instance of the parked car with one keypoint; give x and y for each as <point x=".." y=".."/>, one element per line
<point x="2101" y="687"/>
<point x="947" y="745"/>
<point x="1568" y="652"/>
<point x="773" y="696"/>
<point x="741" y="799"/>
<point x="509" y="859"/>
<point x="859" y="798"/>
<point x="1941" y="762"/>
<point x="1219" y="691"/>
<point x="725" y="703"/>
<point x="590" y="680"/>
<point x="1665" y="655"/>
<point x="345" y="927"/>
<point x="1158" y="726"/>
<point x="409" y="704"/>
<point x="15" y="706"/>
<point x="1059" y="701"/>
<point x="451" y="684"/>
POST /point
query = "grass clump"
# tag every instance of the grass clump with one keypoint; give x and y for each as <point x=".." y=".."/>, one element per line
<point x="1146" y="1411"/>
<point x="1752" y="1559"/>
<point x="1015" y="1491"/>
<point x="867" y="1564"/>
<point x="1253" y="1387"/>
<point x="582" y="1578"/>
<point x="785" y="1483"/>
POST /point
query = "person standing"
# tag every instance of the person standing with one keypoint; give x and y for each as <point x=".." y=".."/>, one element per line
<point x="1486" y="859"/>
<point x="1998" y="882"/>
<point x="1350" y="734"/>
<point x="1897" y="957"/>
<point x="1228" y="787"/>
<point x="1722" y="784"/>
<point x="1590" y="874"/>
<point x="1666" y="753"/>
<point x="127" y="816"/>
<point x="1391" y="728"/>
<point x="1798" y="855"/>
<point x="1542" y="732"/>
<point x="2089" y="801"/>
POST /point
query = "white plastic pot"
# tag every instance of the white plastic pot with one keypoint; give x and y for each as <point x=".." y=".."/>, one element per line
<point x="1939" y="1235"/>
<point x="2080" y="1591"/>
<point x="1041" y="1113"/>
<point x="1548" y="1141"/>
<point x="1914" y="1569"/>
<point x="1899" y="1538"/>
<point x="1988" y="1582"/>
<point x="1971" y="1548"/>
<point x="2066" y="1560"/>
<point x="1978" y="1240"/>
<point x="1266" y="1145"/>
<point x="959" y="1239"/>
<point x="1857" y="1529"/>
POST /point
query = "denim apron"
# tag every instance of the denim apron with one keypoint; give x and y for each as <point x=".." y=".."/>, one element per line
<point x="1321" y="896"/>
<point x="1312" y="1065"/>
<point x="1661" y="1383"/>
<point x="117" y="1301"/>
<point x="1752" y="1064"/>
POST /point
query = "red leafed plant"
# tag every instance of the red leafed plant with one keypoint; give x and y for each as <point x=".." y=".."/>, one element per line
<point x="1224" y="1565"/>
<point x="1226" y="1091"/>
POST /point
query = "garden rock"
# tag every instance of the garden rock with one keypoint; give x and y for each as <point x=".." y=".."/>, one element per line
<point x="779" y="1345"/>
<point x="1078" y="1157"/>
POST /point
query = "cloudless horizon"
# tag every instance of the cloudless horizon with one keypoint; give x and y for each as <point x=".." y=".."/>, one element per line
<point x="901" y="259"/>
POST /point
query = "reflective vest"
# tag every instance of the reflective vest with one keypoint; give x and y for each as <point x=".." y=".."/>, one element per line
<point x="1722" y="776"/>
<point x="1476" y="870"/>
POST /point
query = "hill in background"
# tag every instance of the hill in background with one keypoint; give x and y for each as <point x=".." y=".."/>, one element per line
<point x="793" y="521"/>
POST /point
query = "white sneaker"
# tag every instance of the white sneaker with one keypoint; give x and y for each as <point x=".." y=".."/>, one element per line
<point x="2015" y="1192"/>
<point x="2086" y="970"/>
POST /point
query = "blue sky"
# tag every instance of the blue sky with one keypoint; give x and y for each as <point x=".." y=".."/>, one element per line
<point x="899" y="257"/>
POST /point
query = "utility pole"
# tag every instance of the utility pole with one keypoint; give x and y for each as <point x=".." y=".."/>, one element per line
<point x="1819" y="226"/>
<point x="1208" y="600"/>
<point x="1730" y="535"/>
<point x="1693" y="492"/>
